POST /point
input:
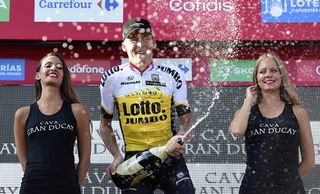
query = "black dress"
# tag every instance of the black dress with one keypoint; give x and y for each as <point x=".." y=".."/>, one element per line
<point x="50" y="167"/>
<point x="272" y="154"/>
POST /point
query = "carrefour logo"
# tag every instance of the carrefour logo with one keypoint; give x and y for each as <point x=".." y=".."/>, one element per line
<point x="108" y="5"/>
<point x="290" y="10"/>
<point x="79" y="11"/>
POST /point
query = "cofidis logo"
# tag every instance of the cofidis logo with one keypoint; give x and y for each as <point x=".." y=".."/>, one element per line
<point x="201" y="5"/>
<point x="290" y="10"/>
<point x="79" y="11"/>
<point x="4" y="10"/>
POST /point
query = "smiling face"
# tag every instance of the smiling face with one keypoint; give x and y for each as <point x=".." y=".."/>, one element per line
<point x="268" y="75"/>
<point x="51" y="71"/>
<point x="139" y="47"/>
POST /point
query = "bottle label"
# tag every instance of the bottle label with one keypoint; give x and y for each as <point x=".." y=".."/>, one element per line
<point x="129" y="167"/>
<point x="160" y="152"/>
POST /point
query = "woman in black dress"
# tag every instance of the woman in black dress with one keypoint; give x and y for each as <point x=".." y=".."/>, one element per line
<point x="275" y="126"/>
<point x="45" y="133"/>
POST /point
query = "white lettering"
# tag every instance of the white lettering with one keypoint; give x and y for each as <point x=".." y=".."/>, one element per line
<point x="213" y="177"/>
<point x="304" y="3"/>
<point x="314" y="190"/>
<point x="210" y="135"/>
<point x="235" y="148"/>
<point x="8" y="189"/>
<point x="10" y="68"/>
<point x="86" y="69"/>
<point x="200" y="5"/>
<point x="8" y="149"/>
<point x="203" y="149"/>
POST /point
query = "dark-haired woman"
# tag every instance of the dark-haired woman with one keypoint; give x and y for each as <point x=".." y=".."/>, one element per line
<point x="45" y="133"/>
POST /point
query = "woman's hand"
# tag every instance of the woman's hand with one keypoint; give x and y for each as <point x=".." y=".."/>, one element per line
<point x="252" y="95"/>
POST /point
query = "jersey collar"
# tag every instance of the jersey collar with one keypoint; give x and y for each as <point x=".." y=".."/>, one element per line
<point x="134" y="67"/>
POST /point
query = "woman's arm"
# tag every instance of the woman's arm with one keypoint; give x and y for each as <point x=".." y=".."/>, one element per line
<point x="239" y="123"/>
<point x="83" y="140"/>
<point x="19" y="125"/>
<point x="306" y="141"/>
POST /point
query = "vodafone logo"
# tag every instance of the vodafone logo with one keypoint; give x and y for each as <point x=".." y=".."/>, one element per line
<point x="201" y="5"/>
<point x="86" y="69"/>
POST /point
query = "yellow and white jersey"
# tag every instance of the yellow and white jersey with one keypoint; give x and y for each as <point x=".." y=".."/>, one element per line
<point x="144" y="101"/>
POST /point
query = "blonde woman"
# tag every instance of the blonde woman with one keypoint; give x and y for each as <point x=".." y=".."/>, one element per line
<point x="275" y="126"/>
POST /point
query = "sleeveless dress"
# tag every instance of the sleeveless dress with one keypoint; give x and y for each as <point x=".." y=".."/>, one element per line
<point x="272" y="154"/>
<point x="50" y="167"/>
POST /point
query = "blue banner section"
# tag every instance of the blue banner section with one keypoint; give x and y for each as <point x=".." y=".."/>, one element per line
<point x="12" y="69"/>
<point x="301" y="11"/>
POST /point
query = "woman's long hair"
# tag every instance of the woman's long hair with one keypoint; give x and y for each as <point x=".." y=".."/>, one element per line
<point x="66" y="90"/>
<point x="287" y="91"/>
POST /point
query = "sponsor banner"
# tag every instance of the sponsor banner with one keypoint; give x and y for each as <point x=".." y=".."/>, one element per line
<point x="231" y="70"/>
<point x="171" y="20"/>
<point x="184" y="64"/>
<point x="10" y="176"/>
<point x="290" y="10"/>
<point x="201" y="147"/>
<point x="87" y="72"/>
<point x="315" y="126"/>
<point x="4" y="10"/>
<point x="12" y="69"/>
<point x="78" y="11"/>
<point x="219" y="178"/>
<point x="308" y="70"/>
<point x="99" y="152"/>
<point x="84" y="72"/>
<point x="203" y="72"/>
<point x="195" y="19"/>
<point x="239" y="72"/>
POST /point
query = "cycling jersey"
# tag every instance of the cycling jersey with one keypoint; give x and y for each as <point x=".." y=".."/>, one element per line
<point x="144" y="101"/>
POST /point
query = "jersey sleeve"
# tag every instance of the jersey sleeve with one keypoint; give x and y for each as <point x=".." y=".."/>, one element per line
<point x="180" y="94"/>
<point x="107" y="97"/>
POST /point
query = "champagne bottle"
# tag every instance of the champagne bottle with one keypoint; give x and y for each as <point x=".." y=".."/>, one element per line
<point x="139" y="166"/>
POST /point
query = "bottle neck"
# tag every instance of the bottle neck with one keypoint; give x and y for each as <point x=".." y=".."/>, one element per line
<point x="160" y="152"/>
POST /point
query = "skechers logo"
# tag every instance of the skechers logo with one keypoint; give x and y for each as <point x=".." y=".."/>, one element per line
<point x="108" y="5"/>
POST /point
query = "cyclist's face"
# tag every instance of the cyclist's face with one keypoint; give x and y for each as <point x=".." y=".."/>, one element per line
<point x="139" y="48"/>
